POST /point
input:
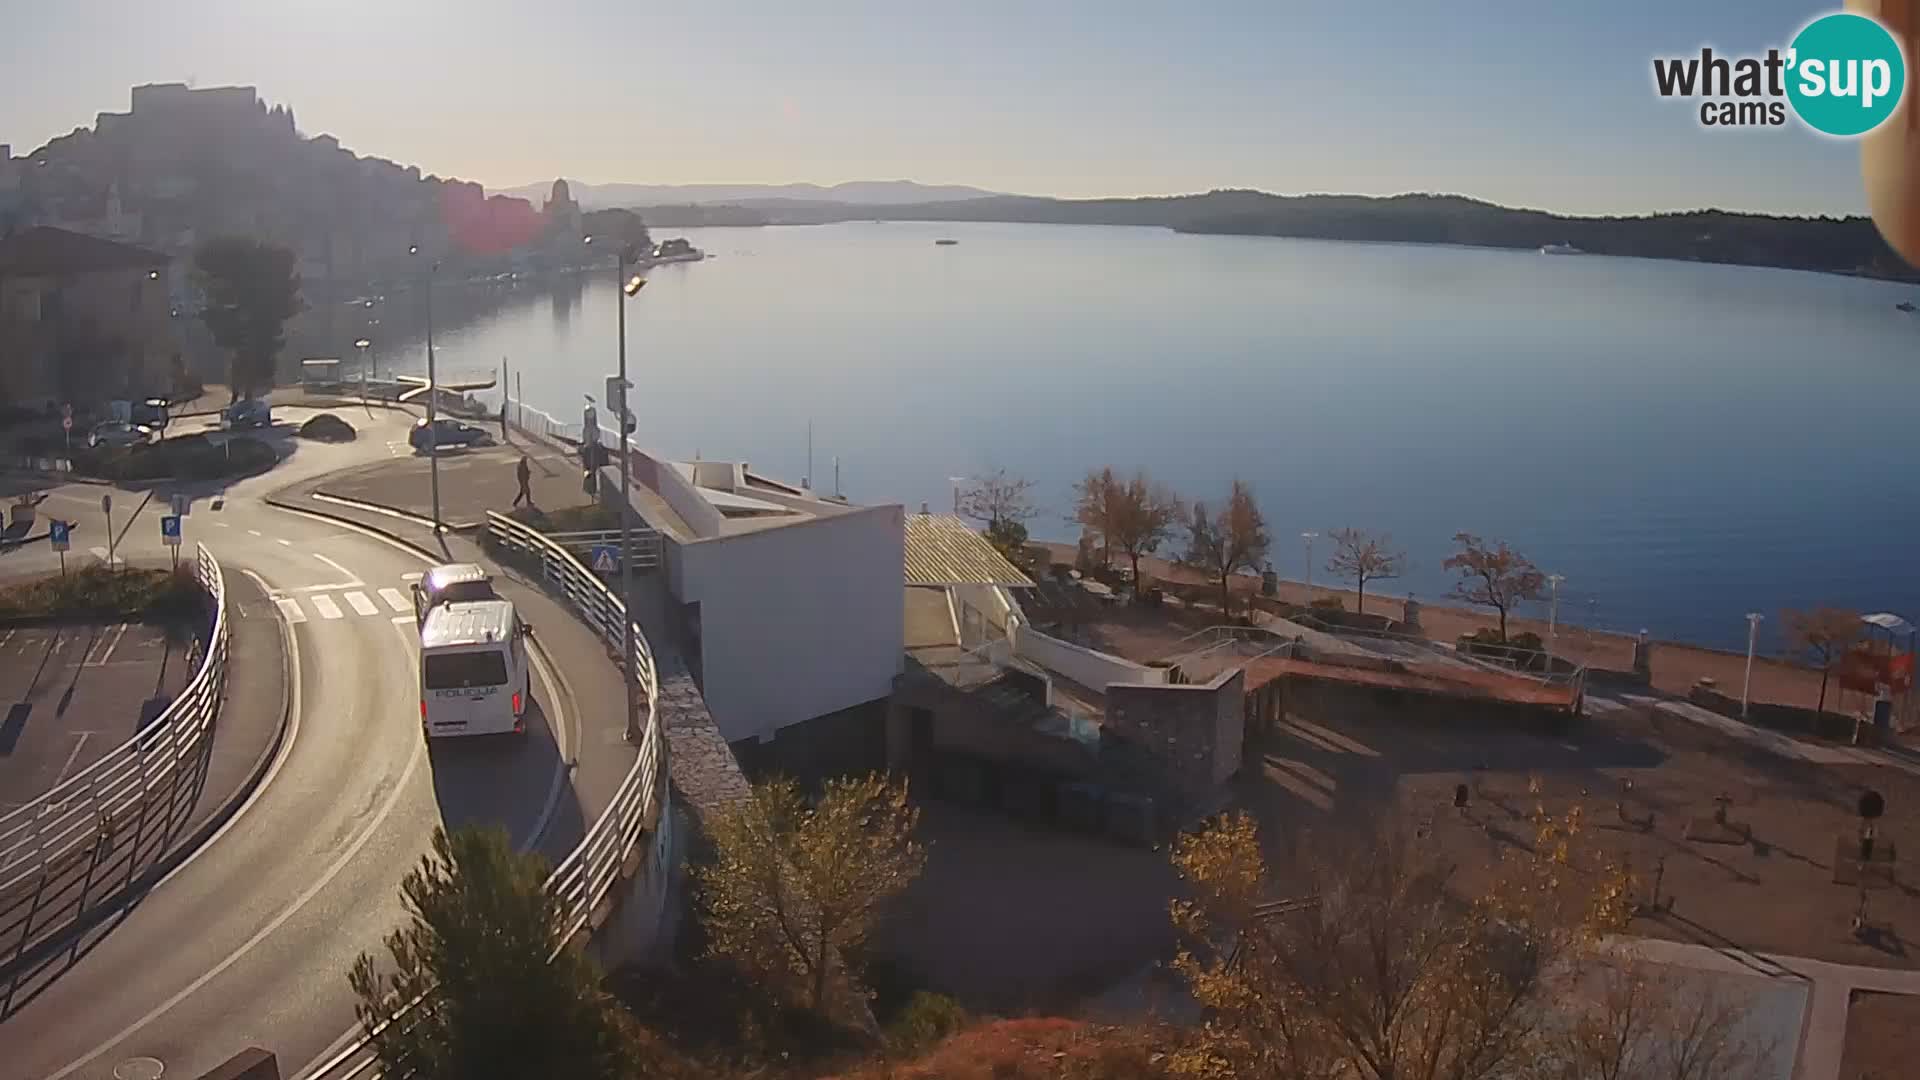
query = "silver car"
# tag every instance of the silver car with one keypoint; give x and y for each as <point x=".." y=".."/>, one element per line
<point x="119" y="433"/>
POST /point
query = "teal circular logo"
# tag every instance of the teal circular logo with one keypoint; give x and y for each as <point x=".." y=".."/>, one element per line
<point x="1846" y="74"/>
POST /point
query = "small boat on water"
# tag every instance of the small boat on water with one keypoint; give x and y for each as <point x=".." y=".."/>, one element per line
<point x="1904" y="305"/>
<point x="1560" y="249"/>
<point x="674" y="251"/>
<point x="946" y="243"/>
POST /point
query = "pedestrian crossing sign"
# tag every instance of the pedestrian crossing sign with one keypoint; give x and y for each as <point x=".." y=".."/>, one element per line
<point x="606" y="558"/>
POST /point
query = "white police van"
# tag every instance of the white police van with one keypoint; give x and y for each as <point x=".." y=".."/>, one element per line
<point x="474" y="675"/>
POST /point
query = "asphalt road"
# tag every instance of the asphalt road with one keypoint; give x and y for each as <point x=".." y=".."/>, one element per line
<point x="249" y="942"/>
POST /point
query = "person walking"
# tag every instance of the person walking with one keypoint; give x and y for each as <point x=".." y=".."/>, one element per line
<point x="524" y="473"/>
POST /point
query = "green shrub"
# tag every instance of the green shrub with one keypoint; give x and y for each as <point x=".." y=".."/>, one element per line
<point x="326" y="427"/>
<point x="1328" y="603"/>
<point x="926" y="1019"/>
<point x="186" y="457"/>
<point x="95" y="590"/>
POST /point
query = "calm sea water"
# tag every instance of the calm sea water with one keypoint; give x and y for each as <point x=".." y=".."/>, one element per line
<point x="1684" y="442"/>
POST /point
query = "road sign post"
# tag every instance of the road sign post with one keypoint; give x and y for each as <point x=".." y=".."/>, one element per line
<point x="170" y="536"/>
<point x="605" y="558"/>
<point x="59" y="539"/>
<point x="106" y="507"/>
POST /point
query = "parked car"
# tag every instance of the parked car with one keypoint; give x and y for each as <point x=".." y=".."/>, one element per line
<point x="249" y="413"/>
<point x="445" y="432"/>
<point x="153" y="412"/>
<point x="119" y="433"/>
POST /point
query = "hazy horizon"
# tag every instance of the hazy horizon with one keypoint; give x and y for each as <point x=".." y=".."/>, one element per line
<point x="1502" y="101"/>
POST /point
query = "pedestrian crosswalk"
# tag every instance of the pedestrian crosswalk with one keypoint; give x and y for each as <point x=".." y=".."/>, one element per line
<point x="348" y="603"/>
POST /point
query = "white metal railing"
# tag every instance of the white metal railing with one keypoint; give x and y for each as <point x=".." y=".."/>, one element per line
<point x="645" y="547"/>
<point x="540" y="422"/>
<point x="586" y="877"/>
<point x="47" y="845"/>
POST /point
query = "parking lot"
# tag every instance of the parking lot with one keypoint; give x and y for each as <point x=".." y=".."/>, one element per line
<point x="73" y="693"/>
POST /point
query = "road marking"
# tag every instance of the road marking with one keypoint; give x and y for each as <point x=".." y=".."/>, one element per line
<point x="325" y="606"/>
<point x="78" y="742"/>
<point x="301" y="901"/>
<point x="394" y="598"/>
<point x="101" y="554"/>
<point x="401" y="620"/>
<point x="415" y="576"/>
<point x="107" y="653"/>
<point x="361" y="605"/>
<point x="351" y="576"/>
<point x="337" y="586"/>
<point x="290" y="609"/>
<point x="255" y="532"/>
<point x="283" y="543"/>
<point x="221" y="525"/>
<point x="8" y="637"/>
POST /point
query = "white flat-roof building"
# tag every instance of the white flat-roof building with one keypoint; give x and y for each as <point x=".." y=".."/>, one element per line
<point x="787" y="602"/>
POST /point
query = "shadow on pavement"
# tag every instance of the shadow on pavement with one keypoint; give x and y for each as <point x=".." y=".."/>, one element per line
<point x="506" y="780"/>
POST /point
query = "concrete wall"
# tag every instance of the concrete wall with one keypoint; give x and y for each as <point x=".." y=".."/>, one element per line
<point x="1194" y="729"/>
<point x="796" y="621"/>
<point x="1094" y="670"/>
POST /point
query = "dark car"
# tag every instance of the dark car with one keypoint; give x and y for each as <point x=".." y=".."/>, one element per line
<point x="445" y="432"/>
<point x="249" y="413"/>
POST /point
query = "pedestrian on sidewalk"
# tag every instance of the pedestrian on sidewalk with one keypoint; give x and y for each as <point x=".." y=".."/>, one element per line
<point x="524" y="473"/>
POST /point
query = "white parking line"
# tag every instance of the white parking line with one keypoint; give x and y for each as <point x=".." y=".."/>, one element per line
<point x="255" y="532"/>
<point x="221" y="525"/>
<point x="361" y="605"/>
<point x="394" y="597"/>
<point x="283" y="543"/>
<point x="290" y="608"/>
<point x="79" y="741"/>
<point x="325" y="606"/>
<point x="106" y="653"/>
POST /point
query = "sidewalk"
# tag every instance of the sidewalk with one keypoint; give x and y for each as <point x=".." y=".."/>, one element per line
<point x="247" y="734"/>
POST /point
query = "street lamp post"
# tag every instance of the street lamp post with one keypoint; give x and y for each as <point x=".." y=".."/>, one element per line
<point x="1753" y="636"/>
<point x="628" y="288"/>
<point x="1553" y="610"/>
<point x="363" y="345"/>
<point x="1309" y="537"/>
<point x="433" y="392"/>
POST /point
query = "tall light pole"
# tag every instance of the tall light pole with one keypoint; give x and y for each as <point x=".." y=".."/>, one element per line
<point x="628" y="287"/>
<point x="433" y="392"/>
<point x="1309" y="538"/>
<point x="1553" y="610"/>
<point x="1753" y="636"/>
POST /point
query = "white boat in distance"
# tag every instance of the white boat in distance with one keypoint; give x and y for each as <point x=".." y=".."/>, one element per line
<point x="675" y="250"/>
<point x="1560" y="249"/>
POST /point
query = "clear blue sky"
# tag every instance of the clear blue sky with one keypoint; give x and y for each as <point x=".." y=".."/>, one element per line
<point x="1522" y="102"/>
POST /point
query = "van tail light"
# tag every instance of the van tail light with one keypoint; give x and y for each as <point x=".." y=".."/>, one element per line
<point x="423" y="710"/>
<point x="516" y="703"/>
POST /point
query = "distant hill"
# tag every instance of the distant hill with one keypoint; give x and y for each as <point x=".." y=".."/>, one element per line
<point x="1848" y="245"/>
<point x="853" y="192"/>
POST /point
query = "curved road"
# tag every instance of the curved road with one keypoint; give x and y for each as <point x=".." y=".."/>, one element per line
<point x="248" y="943"/>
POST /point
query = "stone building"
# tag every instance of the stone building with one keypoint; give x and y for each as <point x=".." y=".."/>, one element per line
<point x="82" y="319"/>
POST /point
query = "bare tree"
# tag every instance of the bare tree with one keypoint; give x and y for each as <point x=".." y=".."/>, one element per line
<point x="1493" y="576"/>
<point x="1143" y="516"/>
<point x="1360" y="557"/>
<point x="1229" y="541"/>
<point x="1630" y="1020"/>
<point x="1003" y="503"/>
<point x="1822" y="635"/>
<point x="1094" y="509"/>
<point x="998" y="496"/>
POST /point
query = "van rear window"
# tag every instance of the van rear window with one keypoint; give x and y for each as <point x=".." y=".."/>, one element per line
<point x="458" y="671"/>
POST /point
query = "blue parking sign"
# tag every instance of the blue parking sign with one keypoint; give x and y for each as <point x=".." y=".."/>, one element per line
<point x="57" y="535"/>
<point x="170" y="530"/>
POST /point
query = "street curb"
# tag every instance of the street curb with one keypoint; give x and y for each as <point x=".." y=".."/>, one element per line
<point x="185" y="848"/>
<point x="388" y="511"/>
<point x="278" y="502"/>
